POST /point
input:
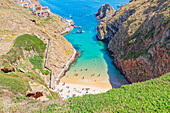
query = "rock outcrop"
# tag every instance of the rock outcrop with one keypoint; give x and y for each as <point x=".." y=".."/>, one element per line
<point x="105" y="12"/>
<point x="138" y="35"/>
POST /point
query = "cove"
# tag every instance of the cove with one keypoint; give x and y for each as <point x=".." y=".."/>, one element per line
<point x="94" y="64"/>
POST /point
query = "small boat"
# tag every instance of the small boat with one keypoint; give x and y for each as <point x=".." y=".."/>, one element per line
<point x="70" y="16"/>
<point x="118" y="5"/>
<point x="79" y="27"/>
<point x="82" y="31"/>
<point x="78" y="31"/>
<point x="75" y="26"/>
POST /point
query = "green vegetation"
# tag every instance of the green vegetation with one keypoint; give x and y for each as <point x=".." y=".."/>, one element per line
<point x="28" y="47"/>
<point x="37" y="62"/>
<point x="115" y="28"/>
<point x="149" y="96"/>
<point x="25" y="42"/>
<point x="14" y="82"/>
<point x="26" y="54"/>
<point x="132" y="41"/>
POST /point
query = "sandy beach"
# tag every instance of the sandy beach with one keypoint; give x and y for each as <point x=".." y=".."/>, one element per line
<point x="77" y="88"/>
<point x="73" y="84"/>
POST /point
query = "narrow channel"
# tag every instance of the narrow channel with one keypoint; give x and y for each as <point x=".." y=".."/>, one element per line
<point x="94" y="65"/>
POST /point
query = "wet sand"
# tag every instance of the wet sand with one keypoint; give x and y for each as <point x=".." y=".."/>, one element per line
<point x="86" y="82"/>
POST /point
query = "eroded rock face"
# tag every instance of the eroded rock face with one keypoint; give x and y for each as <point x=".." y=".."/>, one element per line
<point x="38" y="92"/>
<point x="7" y="70"/>
<point x="138" y="36"/>
<point x="35" y="95"/>
<point x="105" y="12"/>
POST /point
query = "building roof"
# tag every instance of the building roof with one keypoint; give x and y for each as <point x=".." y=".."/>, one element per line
<point x="35" y="3"/>
<point x="37" y="11"/>
<point x="30" y="5"/>
<point x="39" y="8"/>
<point x="23" y="2"/>
<point x="45" y="7"/>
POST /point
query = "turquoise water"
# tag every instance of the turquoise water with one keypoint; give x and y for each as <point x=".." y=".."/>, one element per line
<point x="94" y="55"/>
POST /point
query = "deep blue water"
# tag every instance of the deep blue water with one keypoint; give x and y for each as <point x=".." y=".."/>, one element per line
<point x="94" y="55"/>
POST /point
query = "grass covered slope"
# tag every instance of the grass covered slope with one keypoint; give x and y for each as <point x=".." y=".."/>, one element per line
<point x="27" y="51"/>
<point x="149" y="96"/>
<point x="22" y="73"/>
<point x="14" y="83"/>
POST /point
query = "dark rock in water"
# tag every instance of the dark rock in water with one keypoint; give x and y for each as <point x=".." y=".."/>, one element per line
<point x="105" y="12"/>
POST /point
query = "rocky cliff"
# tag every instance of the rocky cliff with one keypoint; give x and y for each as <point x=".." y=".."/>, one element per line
<point x="105" y="12"/>
<point x="138" y="37"/>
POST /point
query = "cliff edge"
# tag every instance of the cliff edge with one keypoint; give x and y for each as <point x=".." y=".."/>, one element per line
<point x="138" y="35"/>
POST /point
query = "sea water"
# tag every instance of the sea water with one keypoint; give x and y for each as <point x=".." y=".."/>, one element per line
<point x="94" y="60"/>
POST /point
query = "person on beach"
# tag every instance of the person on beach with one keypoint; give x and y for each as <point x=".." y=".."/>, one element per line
<point x="98" y="75"/>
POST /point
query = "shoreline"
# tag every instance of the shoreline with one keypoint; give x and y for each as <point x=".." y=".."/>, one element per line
<point x="76" y="83"/>
<point x="111" y="54"/>
<point x="67" y="90"/>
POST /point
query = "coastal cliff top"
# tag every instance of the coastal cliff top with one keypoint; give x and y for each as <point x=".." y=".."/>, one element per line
<point x="16" y="20"/>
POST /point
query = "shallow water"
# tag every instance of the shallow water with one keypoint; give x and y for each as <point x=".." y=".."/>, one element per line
<point x="94" y="56"/>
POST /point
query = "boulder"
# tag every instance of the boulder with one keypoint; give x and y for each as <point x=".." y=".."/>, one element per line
<point x="22" y="70"/>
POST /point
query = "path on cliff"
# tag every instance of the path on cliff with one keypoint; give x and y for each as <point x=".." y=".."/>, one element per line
<point x="67" y="65"/>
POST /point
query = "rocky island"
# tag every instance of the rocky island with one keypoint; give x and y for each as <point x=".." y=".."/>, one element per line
<point x="105" y="12"/>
